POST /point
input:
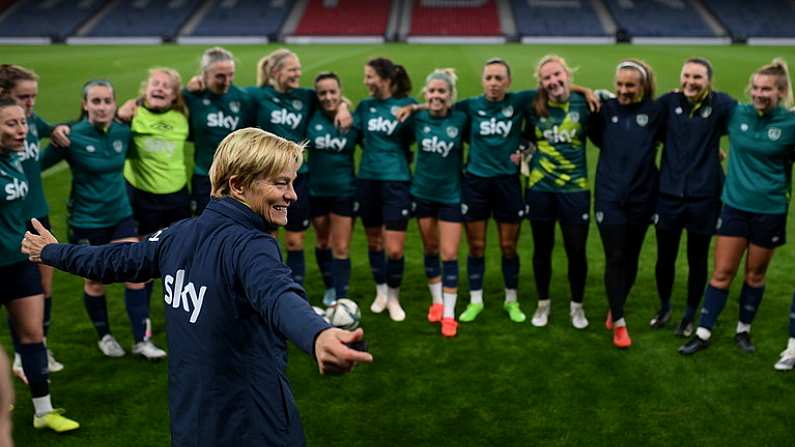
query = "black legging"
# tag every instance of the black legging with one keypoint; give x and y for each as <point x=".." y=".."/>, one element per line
<point x="575" y="237"/>
<point x="697" y="258"/>
<point x="622" y="244"/>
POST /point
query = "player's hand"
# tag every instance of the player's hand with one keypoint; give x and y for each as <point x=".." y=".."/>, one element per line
<point x="60" y="136"/>
<point x="594" y="104"/>
<point x="334" y="356"/>
<point x="33" y="244"/>
<point x="195" y="85"/>
<point x="722" y="154"/>
<point x="404" y="113"/>
<point x="516" y="158"/>
<point x="127" y="111"/>
<point x="343" y="119"/>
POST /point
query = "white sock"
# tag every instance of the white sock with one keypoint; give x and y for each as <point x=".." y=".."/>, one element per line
<point x="573" y="305"/>
<point x="544" y="303"/>
<point x="742" y="327"/>
<point x="510" y="295"/>
<point x="42" y="405"/>
<point x="380" y="289"/>
<point x="791" y="344"/>
<point x="476" y="296"/>
<point x="619" y="323"/>
<point x="703" y="333"/>
<point x="436" y="292"/>
<point x="393" y="293"/>
<point x="449" y="305"/>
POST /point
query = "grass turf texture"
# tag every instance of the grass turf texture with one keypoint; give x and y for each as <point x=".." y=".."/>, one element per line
<point x="497" y="383"/>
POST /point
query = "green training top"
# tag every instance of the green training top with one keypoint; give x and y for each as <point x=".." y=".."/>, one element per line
<point x="385" y="140"/>
<point x="760" y="154"/>
<point x="284" y="114"/>
<point x="35" y="203"/>
<point x="156" y="162"/>
<point x="13" y="190"/>
<point x="330" y="157"/>
<point x="495" y="132"/>
<point x="99" y="197"/>
<point x="440" y="148"/>
<point x="212" y="118"/>
<point x="559" y="163"/>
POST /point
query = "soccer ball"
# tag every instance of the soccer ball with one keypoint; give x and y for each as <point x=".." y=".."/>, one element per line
<point x="320" y="312"/>
<point x="344" y="314"/>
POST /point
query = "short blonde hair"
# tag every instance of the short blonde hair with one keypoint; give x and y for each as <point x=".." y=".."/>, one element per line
<point x="248" y="154"/>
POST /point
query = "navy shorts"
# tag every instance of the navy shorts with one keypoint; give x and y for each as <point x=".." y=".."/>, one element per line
<point x="156" y="211"/>
<point x="127" y="228"/>
<point x="298" y="213"/>
<point x="698" y="215"/>
<point x="19" y="280"/>
<point x="569" y="208"/>
<point x="500" y="196"/>
<point x="383" y="202"/>
<point x="199" y="193"/>
<point x="322" y="206"/>
<point x="448" y="212"/>
<point x="764" y="230"/>
<point x="613" y="213"/>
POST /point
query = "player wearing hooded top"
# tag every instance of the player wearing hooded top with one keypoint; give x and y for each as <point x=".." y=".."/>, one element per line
<point x="382" y="188"/>
<point x="215" y="111"/>
<point x="99" y="209"/>
<point x="557" y="188"/>
<point x="22" y="85"/>
<point x="691" y="179"/>
<point x="436" y="192"/>
<point x="627" y="131"/>
<point x="755" y="201"/>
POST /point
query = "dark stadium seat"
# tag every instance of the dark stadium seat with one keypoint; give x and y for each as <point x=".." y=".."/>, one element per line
<point x="759" y="18"/>
<point x="445" y="18"/>
<point x="659" y="18"/>
<point x="55" y="18"/>
<point x="131" y="18"/>
<point x="344" y="18"/>
<point x="556" y="18"/>
<point x="244" y="18"/>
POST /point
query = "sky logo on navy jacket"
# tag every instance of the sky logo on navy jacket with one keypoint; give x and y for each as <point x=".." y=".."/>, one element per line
<point x="178" y="294"/>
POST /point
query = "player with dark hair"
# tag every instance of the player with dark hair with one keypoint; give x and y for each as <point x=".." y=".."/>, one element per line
<point x="382" y="187"/>
<point x="755" y="201"/>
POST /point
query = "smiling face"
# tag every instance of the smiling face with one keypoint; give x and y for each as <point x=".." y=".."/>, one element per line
<point x="13" y="128"/>
<point x="555" y="80"/>
<point x="100" y="106"/>
<point x="694" y="81"/>
<point x="765" y="93"/>
<point x="288" y="75"/>
<point x="271" y="197"/>
<point x="629" y="87"/>
<point x="495" y="81"/>
<point x="438" y="95"/>
<point x="328" y="94"/>
<point x="160" y="91"/>
<point x="24" y="94"/>
<point x="377" y="86"/>
<point x="219" y="75"/>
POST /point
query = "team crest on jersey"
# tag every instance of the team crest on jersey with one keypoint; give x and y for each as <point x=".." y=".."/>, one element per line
<point x="678" y="110"/>
<point x="90" y="148"/>
<point x="574" y="117"/>
<point x="642" y="119"/>
<point x="297" y="105"/>
<point x="206" y="102"/>
<point x="744" y="127"/>
<point x="394" y="110"/>
<point x="318" y="127"/>
<point x="234" y="106"/>
<point x="507" y="111"/>
<point x="426" y="129"/>
<point x="706" y="112"/>
<point x="452" y="132"/>
<point x="614" y="119"/>
<point x="118" y="145"/>
<point x="774" y="133"/>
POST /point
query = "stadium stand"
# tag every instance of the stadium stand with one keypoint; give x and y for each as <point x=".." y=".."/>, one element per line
<point x="659" y="18"/>
<point x="56" y="19"/>
<point x="344" y="18"/>
<point x="131" y="18"/>
<point x="557" y="18"/>
<point x="454" y="18"/>
<point x="243" y="18"/>
<point x="760" y="18"/>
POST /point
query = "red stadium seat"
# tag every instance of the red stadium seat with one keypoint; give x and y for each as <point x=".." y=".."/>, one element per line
<point x="446" y="18"/>
<point x="344" y="18"/>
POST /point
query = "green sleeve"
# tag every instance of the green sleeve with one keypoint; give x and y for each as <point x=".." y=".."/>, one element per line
<point x="51" y="156"/>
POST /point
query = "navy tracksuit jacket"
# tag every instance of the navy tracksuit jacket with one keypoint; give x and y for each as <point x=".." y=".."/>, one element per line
<point x="231" y="305"/>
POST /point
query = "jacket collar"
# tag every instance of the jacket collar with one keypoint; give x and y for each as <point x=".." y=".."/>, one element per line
<point x="240" y="213"/>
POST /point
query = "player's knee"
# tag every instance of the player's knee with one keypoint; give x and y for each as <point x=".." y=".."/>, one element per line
<point x="755" y="279"/>
<point x="94" y="288"/>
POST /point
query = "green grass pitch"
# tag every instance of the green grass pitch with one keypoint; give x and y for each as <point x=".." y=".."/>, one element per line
<point x="497" y="383"/>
